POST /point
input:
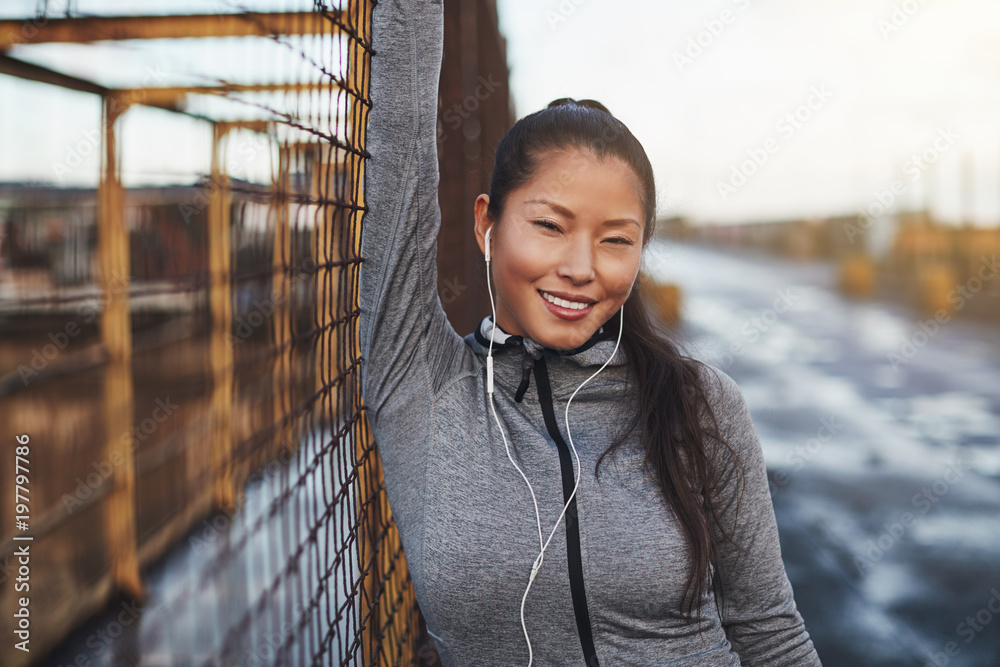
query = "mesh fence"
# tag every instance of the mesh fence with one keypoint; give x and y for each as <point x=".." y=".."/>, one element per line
<point x="178" y="340"/>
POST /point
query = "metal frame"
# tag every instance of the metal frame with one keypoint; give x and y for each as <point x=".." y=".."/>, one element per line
<point x="113" y="242"/>
<point x="117" y="28"/>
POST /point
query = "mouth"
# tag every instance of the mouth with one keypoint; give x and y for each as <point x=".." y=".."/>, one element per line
<point x="567" y="309"/>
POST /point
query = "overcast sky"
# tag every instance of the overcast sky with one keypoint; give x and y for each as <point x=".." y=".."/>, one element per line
<point x="702" y="83"/>
<point x="748" y="109"/>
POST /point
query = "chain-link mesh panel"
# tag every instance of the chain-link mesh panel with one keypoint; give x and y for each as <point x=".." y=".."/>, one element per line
<point x="178" y="339"/>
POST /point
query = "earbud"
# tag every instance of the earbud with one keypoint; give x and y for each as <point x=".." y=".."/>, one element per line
<point x="487" y="242"/>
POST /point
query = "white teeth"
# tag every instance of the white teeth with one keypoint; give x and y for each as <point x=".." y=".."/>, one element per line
<point x="575" y="305"/>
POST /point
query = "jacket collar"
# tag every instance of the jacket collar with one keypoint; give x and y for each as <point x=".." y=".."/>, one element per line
<point x="594" y="351"/>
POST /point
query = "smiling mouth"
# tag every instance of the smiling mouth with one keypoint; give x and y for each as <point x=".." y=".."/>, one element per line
<point x="572" y="305"/>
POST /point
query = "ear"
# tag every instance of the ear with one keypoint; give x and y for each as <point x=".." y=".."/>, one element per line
<point x="483" y="222"/>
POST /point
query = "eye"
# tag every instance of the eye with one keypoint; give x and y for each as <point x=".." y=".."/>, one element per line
<point x="546" y="224"/>
<point x="620" y="240"/>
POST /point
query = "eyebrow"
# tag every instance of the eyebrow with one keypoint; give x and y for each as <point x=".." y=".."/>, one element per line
<point x="563" y="211"/>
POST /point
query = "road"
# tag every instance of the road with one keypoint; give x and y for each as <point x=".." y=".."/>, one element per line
<point x="881" y="432"/>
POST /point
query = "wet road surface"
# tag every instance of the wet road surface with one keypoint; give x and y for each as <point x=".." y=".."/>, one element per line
<point x="882" y="439"/>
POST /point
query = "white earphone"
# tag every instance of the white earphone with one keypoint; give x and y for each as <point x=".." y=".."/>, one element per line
<point x="489" y="390"/>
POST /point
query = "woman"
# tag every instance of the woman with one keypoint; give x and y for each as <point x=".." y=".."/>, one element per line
<point x="519" y="552"/>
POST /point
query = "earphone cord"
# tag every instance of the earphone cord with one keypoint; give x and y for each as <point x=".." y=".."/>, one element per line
<point x="489" y="366"/>
<point x="489" y="388"/>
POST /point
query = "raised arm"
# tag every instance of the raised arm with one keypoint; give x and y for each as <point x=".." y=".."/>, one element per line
<point x="758" y="610"/>
<point x="408" y="345"/>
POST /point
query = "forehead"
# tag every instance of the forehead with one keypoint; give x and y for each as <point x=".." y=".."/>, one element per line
<point x="581" y="174"/>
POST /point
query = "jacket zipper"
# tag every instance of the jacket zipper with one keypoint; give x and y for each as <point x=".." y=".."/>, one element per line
<point x="573" y="554"/>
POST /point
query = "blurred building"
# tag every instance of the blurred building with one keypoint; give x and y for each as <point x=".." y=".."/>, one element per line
<point x="475" y="111"/>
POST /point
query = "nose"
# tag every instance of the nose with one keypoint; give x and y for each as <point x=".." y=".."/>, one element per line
<point x="577" y="263"/>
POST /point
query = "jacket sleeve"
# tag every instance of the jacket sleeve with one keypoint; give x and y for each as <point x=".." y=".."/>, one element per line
<point x="408" y="345"/>
<point x="755" y="597"/>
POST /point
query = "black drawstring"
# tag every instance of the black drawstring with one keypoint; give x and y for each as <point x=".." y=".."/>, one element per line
<point x="527" y="363"/>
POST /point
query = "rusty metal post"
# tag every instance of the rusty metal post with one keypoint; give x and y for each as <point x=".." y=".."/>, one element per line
<point x="375" y="549"/>
<point x="221" y="306"/>
<point x="331" y="304"/>
<point x="116" y="335"/>
<point x="281" y="293"/>
<point x="328" y="272"/>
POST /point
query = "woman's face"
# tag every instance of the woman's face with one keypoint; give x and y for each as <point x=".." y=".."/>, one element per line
<point x="566" y="251"/>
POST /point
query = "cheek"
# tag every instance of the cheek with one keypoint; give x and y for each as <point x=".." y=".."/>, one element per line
<point x="525" y="264"/>
<point x="621" y="277"/>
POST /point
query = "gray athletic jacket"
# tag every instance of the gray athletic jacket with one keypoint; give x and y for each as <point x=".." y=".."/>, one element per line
<point x="610" y="588"/>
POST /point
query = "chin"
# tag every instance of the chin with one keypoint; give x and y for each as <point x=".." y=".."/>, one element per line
<point x="567" y="340"/>
<point x="560" y="344"/>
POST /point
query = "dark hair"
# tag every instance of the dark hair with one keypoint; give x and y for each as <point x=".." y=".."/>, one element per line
<point x="680" y="447"/>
